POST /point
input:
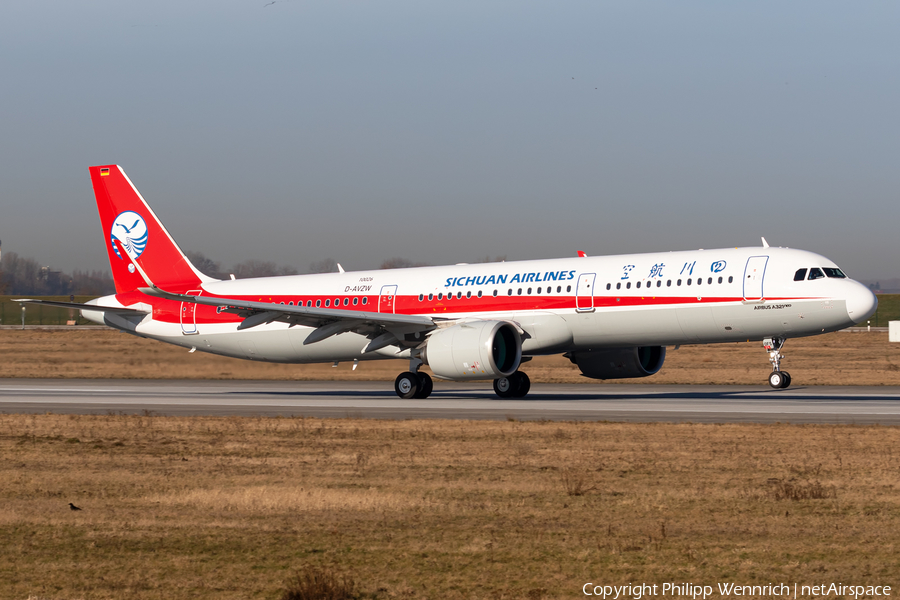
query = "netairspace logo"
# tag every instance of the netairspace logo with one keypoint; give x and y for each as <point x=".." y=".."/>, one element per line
<point x="637" y="591"/>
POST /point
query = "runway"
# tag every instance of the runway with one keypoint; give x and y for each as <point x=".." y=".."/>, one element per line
<point x="376" y="400"/>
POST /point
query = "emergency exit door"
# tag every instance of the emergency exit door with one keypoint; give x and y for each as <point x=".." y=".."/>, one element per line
<point x="584" y="294"/>
<point x="753" y="277"/>
<point x="189" y="315"/>
<point x="387" y="298"/>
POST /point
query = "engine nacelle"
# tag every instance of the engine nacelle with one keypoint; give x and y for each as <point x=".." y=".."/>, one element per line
<point x="474" y="350"/>
<point x="620" y="363"/>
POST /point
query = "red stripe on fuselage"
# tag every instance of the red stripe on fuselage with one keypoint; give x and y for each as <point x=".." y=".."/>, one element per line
<point x="169" y="311"/>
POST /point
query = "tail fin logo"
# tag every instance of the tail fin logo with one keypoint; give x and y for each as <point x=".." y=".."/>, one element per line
<point x="131" y="231"/>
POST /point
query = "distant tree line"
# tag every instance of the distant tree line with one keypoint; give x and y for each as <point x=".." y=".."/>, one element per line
<point x="26" y="276"/>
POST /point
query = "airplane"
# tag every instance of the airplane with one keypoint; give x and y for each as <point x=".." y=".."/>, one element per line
<point x="612" y="316"/>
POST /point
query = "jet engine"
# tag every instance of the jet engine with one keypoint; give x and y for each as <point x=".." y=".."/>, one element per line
<point x="474" y="350"/>
<point x="619" y="363"/>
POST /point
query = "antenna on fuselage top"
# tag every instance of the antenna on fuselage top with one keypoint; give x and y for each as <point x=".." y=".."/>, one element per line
<point x="765" y="243"/>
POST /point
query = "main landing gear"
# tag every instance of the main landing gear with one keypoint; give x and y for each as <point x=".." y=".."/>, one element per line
<point x="514" y="386"/>
<point x="413" y="384"/>
<point x="778" y="379"/>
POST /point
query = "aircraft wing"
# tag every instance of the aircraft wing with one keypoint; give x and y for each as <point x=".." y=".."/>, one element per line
<point x="385" y="329"/>
<point x="79" y="306"/>
<point x="382" y="329"/>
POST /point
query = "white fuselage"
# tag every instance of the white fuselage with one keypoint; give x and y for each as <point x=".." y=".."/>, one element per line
<point x="561" y="305"/>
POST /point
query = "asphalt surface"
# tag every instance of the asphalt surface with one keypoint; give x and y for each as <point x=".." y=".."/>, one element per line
<point x="376" y="400"/>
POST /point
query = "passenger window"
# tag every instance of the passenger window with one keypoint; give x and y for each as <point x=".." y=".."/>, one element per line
<point x="834" y="272"/>
<point x="356" y="300"/>
<point x="509" y="292"/>
<point x="318" y="303"/>
<point x="529" y="291"/>
<point x="558" y="289"/>
<point x="659" y="283"/>
<point x="628" y="285"/>
<point x="539" y="290"/>
<point x="458" y="295"/>
<point x="337" y="301"/>
<point x="816" y="273"/>
<point x="730" y="279"/>
<point x="480" y="293"/>
<point x="346" y="301"/>
<point x="689" y="281"/>
<point x="308" y="303"/>
<point x="800" y="275"/>
<point x="619" y="286"/>
<point x="669" y="283"/>
<point x="520" y="292"/>
<point x="638" y="284"/>
<point x="720" y="280"/>
<point x="709" y="281"/>
<point x="327" y="303"/>
<point x="441" y="296"/>
<point x="568" y="288"/>
<point x="421" y="297"/>
<point x="431" y="296"/>
<point x="699" y="281"/>
<point x="495" y="293"/>
<point x="366" y="300"/>
<point x="678" y="283"/>
<point x="468" y="294"/>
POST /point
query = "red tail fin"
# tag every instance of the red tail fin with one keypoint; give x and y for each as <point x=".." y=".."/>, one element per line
<point x="126" y="218"/>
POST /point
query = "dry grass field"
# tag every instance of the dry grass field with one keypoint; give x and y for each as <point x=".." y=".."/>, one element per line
<point x="233" y="507"/>
<point x="832" y="359"/>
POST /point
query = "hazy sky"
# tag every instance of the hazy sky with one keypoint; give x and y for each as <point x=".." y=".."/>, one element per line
<point x="445" y="132"/>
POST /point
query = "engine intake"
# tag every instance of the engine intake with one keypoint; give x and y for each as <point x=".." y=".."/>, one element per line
<point x="474" y="350"/>
<point x="620" y="363"/>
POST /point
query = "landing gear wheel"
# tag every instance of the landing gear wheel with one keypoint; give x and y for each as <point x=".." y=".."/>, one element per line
<point x="505" y="387"/>
<point x="406" y="385"/>
<point x="514" y="386"/>
<point x="778" y="380"/>
<point x="426" y="385"/>
<point x="787" y="379"/>
<point x="523" y="384"/>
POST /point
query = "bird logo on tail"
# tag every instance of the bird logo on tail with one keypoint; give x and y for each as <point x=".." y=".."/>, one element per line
<point x="131" y="231"/>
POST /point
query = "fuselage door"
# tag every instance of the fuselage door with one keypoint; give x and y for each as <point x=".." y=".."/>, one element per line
<point x="189" y="315"/>
<point x="387" y="298"/>
<point x="753" y="277"/>
<point x="584" y="296"/>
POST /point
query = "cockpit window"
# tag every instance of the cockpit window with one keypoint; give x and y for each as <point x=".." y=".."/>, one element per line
<point x="800" y="275"/>
<point x="834" y="272"/>
<point x="816" y="273"/>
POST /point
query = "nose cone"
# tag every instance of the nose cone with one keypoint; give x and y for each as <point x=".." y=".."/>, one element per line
<point x="861" y="303"/>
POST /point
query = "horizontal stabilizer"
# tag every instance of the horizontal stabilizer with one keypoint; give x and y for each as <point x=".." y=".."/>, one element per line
<point x="79" y="306"/>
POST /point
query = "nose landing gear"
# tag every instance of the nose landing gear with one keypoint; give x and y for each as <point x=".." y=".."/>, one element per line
<point x="778" y="379"/>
